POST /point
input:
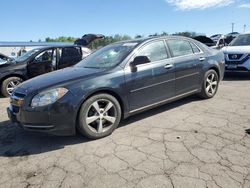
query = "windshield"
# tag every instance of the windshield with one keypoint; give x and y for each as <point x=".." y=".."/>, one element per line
<point x="26" y="55"/>
<point x="108" y="56"/>
<point x="241" y="40"/>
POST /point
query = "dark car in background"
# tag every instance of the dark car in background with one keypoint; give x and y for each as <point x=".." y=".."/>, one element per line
<point x="42" y="60"/>
<point x="115" y="82"/>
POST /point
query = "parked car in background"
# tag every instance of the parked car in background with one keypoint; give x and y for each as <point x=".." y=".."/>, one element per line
<point x="42" y="60"/>
<point x="216" y="37"/>
<point x="115" y="82"/>
<point x="237" y="54"/>
<point x="233" y="34"/>
<point x="220" y="43"/>
<point x="205" y="40"/>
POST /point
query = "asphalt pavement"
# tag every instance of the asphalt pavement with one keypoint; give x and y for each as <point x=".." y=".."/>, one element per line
<point x="191" y="143"/>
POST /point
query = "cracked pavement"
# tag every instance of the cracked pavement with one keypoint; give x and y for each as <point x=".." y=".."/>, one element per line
<point x="190" y="143"/>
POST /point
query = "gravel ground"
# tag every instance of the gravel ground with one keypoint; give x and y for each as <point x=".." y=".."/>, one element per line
<point x="190" y="143"/>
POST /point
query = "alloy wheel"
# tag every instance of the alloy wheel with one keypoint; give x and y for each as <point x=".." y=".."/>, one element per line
<point x="11" y="86"/>
<point x="211" y="84"/>
<point x="101" y="116"/>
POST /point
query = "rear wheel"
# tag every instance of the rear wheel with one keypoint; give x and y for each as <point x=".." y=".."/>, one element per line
<point x="9" y="84"/>
<point x="210" y="84"/>
<point x="99" y="116"/>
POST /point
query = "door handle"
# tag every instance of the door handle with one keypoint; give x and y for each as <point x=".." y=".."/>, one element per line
<point x="202" y="58"/>
<point x="168" y="66"/>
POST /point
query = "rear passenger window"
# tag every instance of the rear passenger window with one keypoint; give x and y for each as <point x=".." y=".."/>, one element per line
<point x="180" y="47"/>
<point x="155" y="51"/>
<point x="70" y="52"/>
<point x="195" y="48"/>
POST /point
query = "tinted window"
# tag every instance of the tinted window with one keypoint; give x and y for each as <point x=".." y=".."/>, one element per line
<point x="180" y="47"/>
<point x="44" y="56"/>
<point x="154" y="51"/>
<point x="70" y="52"/>
<point x="195" y="48"/>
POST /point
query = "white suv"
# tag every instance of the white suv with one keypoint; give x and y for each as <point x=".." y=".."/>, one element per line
<point x="237" y="54"/>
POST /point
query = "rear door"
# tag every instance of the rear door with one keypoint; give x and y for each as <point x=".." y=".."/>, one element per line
<point x="69" y="56"/>
<point x="152" y="82"/>
<point x="188" y="60"/>
<point x="42" y="63"/>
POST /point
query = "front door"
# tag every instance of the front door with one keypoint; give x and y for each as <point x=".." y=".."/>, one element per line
<point x="42" y="63"/>
<point x="152" y="82"/>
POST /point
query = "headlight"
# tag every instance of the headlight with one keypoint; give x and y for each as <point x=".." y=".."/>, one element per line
<point x="47" y="97"/>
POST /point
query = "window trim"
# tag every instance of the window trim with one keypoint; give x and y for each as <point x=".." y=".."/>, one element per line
<point x="142" y="46"/>
<point x="171" y="55"/>
<point x="196" y="47"/>
<point x="39" y="53"/>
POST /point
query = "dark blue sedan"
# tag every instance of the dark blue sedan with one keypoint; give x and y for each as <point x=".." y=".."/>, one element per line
<point x="115" y="82"/>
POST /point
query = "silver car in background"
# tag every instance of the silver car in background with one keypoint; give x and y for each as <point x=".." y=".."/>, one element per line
<point x="237" y="54"/>
<point x="216" y="37"/>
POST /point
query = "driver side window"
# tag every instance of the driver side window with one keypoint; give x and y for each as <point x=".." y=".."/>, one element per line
<point x="44" y="56"/>
<point x="155" y="51"/>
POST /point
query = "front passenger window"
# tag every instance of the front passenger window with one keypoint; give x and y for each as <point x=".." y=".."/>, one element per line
<point x="44" y="56"/>
<point x="155" y="51"/>
<point x="180" y="47"/>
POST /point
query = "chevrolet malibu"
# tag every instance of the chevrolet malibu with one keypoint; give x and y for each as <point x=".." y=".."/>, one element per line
<point x="116" y="82"/>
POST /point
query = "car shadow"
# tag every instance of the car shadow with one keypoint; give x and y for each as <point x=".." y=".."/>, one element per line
<point x="15" y="142"/>
<point x="158" y="110"/>
<point x="235" y="76"/>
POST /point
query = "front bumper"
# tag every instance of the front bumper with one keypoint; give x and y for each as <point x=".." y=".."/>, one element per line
<point x="237" y="66"/>
<point x="57" y="119"/>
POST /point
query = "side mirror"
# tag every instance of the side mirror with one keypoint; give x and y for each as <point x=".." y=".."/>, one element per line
<point x="139" y="60"/>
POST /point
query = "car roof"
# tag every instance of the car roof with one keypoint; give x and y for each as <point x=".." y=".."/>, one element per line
<point x="244" y="34"/>
<point x="142" y="40"/>
<point x="58" y="46"/>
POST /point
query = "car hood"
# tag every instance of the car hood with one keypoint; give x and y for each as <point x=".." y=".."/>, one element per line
<point x="236" y="49"/>
<point x="56" y="78"/>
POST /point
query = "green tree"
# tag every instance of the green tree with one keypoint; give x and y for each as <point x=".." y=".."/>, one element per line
<point x="186" y="34"/>
<point x="60" y="39"/>
<point x="138" y="36"/>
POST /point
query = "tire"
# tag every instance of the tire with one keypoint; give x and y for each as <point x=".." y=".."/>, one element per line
<point x="209" y="85"/>
<point x="99" y="116"/>
<point x="9" y="84"/>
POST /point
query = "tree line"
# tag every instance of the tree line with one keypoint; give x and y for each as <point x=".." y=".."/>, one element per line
<point x="115" y="38"/>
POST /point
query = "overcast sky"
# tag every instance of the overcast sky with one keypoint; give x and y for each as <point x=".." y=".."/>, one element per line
<point x="37" y="19"/>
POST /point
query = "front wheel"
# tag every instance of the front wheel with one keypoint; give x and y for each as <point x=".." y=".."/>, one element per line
<point x="99" y="116"/>
<point x="9" y="84"/>
<point x="209" y="85"/>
